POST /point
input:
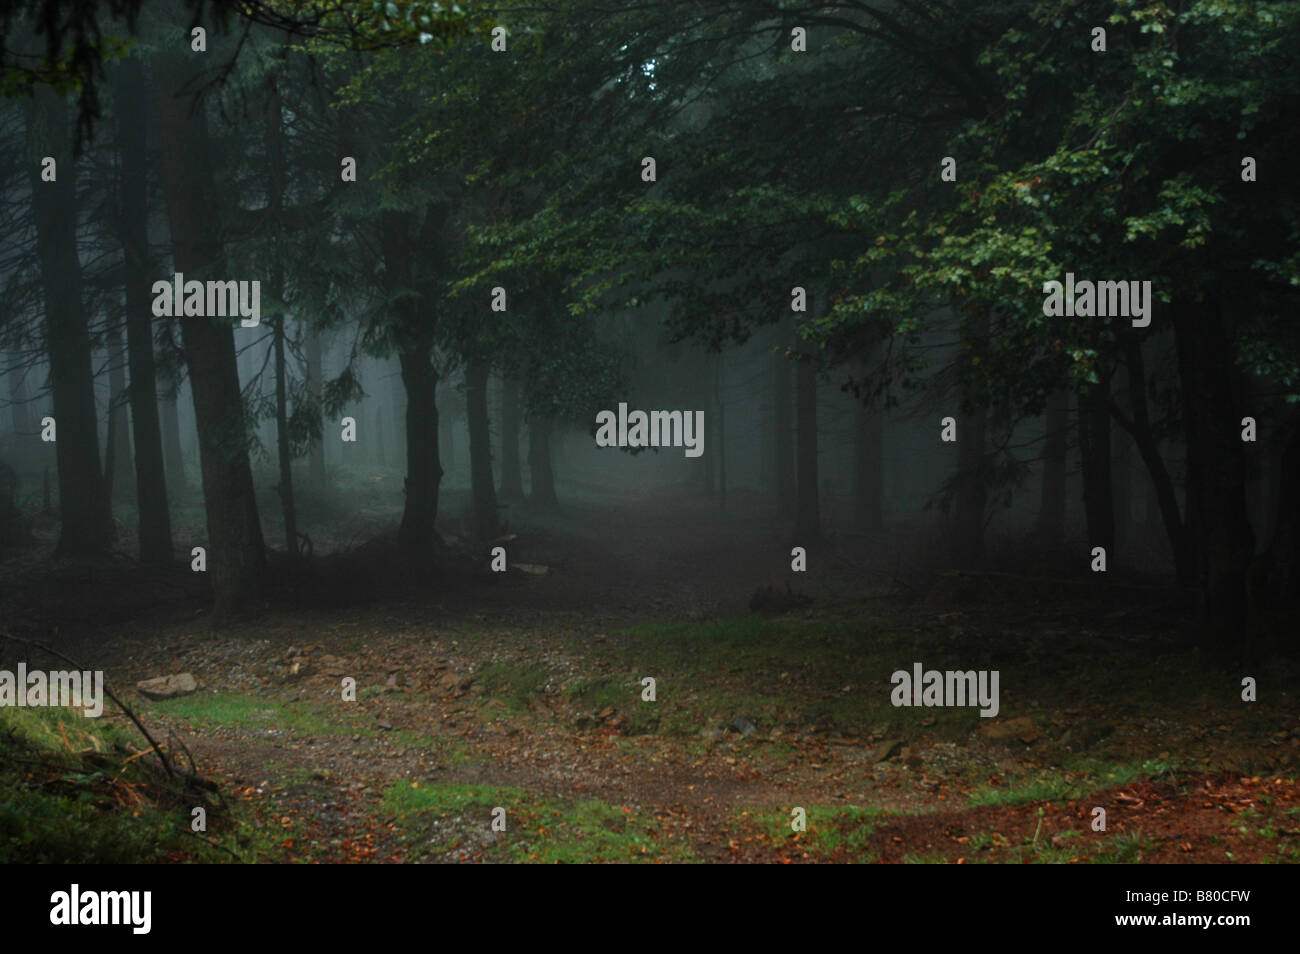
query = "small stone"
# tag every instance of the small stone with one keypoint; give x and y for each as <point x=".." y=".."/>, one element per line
<point x="886" y="750"/>
<point x="168" y="687"/>
<point x="743" y="726"/>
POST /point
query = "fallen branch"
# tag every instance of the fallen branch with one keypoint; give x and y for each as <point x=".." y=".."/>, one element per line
<point x="166" y="763"/>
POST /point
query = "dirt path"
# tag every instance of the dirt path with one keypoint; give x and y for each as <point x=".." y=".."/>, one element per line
<point x="523" y="692"/>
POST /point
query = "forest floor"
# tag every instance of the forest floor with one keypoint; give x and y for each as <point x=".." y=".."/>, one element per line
<point x="523" y="691"/>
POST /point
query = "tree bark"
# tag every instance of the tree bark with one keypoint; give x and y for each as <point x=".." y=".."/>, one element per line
<point x="482" y="489"/>
<point x="315" y="391"/>
<point x="868" y="467"/>
<point x="173" y="454"/>
<point x="122" y="474"/>
<point x="423" y="465"/>
<point x="284" y="447"/>
<point x="131" y="104"/>
<point x="1216" y="473"/>
<point x="1162" y="484"/>
<point x="85" y="518"/>
<point x="1285" y="545"/>
<point x="236" y="549"/>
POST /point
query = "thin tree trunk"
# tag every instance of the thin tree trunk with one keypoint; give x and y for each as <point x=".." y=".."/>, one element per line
<point x="236" y="549"/>
<point x="123" y="474"/>
<point x="284" y="447"/>
<point x="1162" y="485"/>
<point x="315" y="391"/>
<point x="868" y="467"/>
<point x="19" y="413"/>
<point x="482" y="489"/>
<point x="381" y="443"/>
<point x="85" y="517"/>
<point x="131" y="105"/>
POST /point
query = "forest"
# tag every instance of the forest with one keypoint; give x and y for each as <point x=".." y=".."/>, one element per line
<point x="584" y="431"/>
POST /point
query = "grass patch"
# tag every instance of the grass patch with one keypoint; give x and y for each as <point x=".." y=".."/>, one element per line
<point x="840" y="833"/>
<point x="515" y="685"/>
<point x="1083" y="777"/>
<point x="70" y="792"/>
<point x="437" y="821"/>
<point x="236" y="710"/>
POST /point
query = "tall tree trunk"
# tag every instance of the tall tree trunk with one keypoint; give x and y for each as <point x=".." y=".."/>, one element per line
<point x="807" y="520"/>
<point x="381" y="443"/>
<point x="1122" y="480"/>
<point x="447" y="439"/>
<point x="315" y="391"/>
<point x="419" y="377"/>
<point x="284" y="447"/>
<point x="512" y="478"/>
<point x="783" y="478"/>
<point x="19" y="412"/>
<point x="1285" y="545"/>
<point x="1162" y="484"/>
<point x="236" y="549"/>
<point x="1051" y="511"/>
<point x="131" y="105"/>
<point x="85" y="518"/>
<point x="540" y="472"/>
<point x="423" y="465"/>
<point x="1095" y="458"/>
<point x="868" y="467"/>
<point x="173" y="454"/>
<point x="482" y="489"/>
<point x="123" y="474"/>
<point x="1216" y="472"/>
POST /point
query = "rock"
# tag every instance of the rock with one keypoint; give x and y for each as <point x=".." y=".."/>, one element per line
<point x="1021" y="729"/>
<point x="168" y="687"/>
<point x="743" y="726"/>
<point x="886" y="750"/>
<point x="386" y="726"/>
